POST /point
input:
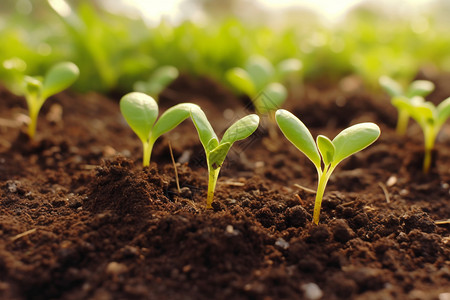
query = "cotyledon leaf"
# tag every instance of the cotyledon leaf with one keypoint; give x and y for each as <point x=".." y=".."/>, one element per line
<point x="298" y="134"/>
<point x="241" y="129"/>
<point x="354" y="139"/>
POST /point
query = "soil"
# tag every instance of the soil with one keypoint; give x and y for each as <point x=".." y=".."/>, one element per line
<point x="80" y="218"/>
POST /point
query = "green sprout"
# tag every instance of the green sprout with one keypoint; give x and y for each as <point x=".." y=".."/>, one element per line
<point x="217" y="151"/>
<point x="157" y="82"/>
<point x="394" y="89"/>
<point x="38" y="89"/>
<point x="260" y="80"/>
<point x="429" y="117"/>
<point x="324" y="153"/>
<point x="141" y="111"/>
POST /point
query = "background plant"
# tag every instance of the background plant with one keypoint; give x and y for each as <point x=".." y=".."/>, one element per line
<point x="429" y="117"/>
<point x="215" y="150"/>
<point x="157" y="82"/>
<point x="38" y="89"/>
<point x="141" y="111"/>
<point x="394" y="89"/>
<point x="325" y="154"/>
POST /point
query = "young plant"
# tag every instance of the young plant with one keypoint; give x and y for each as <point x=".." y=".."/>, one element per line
<point x="429" y="117"/>
<point x="260" y="81"/>
<point x="325" y="154"/>
<point x="157" y="82"/>
<point x="37" y="89"/>
<point x="140" y="111"/>
<point x="216" y="150"/>
<point x="394" y="89"/>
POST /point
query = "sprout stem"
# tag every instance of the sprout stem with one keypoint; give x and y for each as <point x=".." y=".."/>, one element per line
<point x="430" y="137"/>
<point x="148" y="146"/>
<point x="402" y="122"/>
<point x="213" y="175"/>
<point x="33" y="110"/>
<point x="323" y="179"/>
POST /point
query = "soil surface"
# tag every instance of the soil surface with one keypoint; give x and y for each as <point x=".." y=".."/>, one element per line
<point x="81" y="219"/>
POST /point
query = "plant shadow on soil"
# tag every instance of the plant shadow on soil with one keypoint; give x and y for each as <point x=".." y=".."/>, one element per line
<point x="81" y="219"/>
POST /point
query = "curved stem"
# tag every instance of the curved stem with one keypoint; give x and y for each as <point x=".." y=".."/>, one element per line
<point x="402" y="122"/>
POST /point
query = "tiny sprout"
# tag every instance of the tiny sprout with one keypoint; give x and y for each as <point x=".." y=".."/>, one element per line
<point x="260" y="80"/>
<point x="217" y="151"/>
<point x="325" y="152"/>
<point x="394" y="89"/>
<point x="157" y="82"/>
<point x="429" y="117"/>
<point x="140" y="111"/>
<point x="38" y="89"/>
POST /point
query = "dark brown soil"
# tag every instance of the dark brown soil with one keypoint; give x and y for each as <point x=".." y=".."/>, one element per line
<point x="81" y="219"/>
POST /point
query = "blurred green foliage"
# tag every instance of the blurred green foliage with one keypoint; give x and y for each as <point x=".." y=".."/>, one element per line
<point x="115" y="51"/>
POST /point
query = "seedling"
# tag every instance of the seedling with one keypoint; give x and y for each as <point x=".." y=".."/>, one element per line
<point x="324" y="153"/>
<point x="429" y="117"/>
<point x="260" y="81"/>
<point x="394" y="89"/>
<point x="37" y="89"/>
<point x="157" y="82"/>
<point x="140" y="111"/>
<point x="217" y="151"/>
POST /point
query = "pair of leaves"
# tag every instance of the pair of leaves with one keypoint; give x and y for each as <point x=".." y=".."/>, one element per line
<point x="416" y="88"/>
<point x="141" y="111"/>
<point x="424" y="112"/>
<point x="57" y="79"/>
<point x="346" y="143"/>
<point x="217" y="151"/>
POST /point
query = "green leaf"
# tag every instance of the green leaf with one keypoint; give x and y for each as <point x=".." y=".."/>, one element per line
<point x="140" y="111"/>
<point x="218" y="155"/>
<point x="271" y="98"/>
<point x="240" y="80"/>
<point x="420" y="88"/>
<point x="260" y="71"/>
<point x="443" y="111"/>
<point x="204" y="128"/>
<point x="33" y="86"/>
<point x="171" y="118"/>
<point x="212" y="144"/>
<point x="58" y="78"/>
<point x="161" y="78"/>
<point x="241" y="129"/>
<point x="391" y="86"/>
<point x="298" y="134"/>
<point x="326" y="149"/>
<point x="354" y="139"/>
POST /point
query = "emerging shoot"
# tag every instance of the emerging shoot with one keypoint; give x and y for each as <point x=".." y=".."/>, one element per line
<point x="325" y="154"/>
<point x="38" y="89"/>
<point x="217" y="151"/>
<point x="429" y="117"/>
<point x="158" y="81"/>
<point x="394" y="89"/>
<point x="260" y="80"/>
<point x="140" y="111"/>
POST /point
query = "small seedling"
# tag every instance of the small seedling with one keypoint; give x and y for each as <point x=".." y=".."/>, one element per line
<point x="260" y="80"/>
<point x="37" y="89"/>
<point x="429" y="117"/>
<point x="217" y="151"/>
<point x="324" y="153"/>
<point x="394" y="89"/>
<point x="157" y="82"/>
<point x="140" y="111"/>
